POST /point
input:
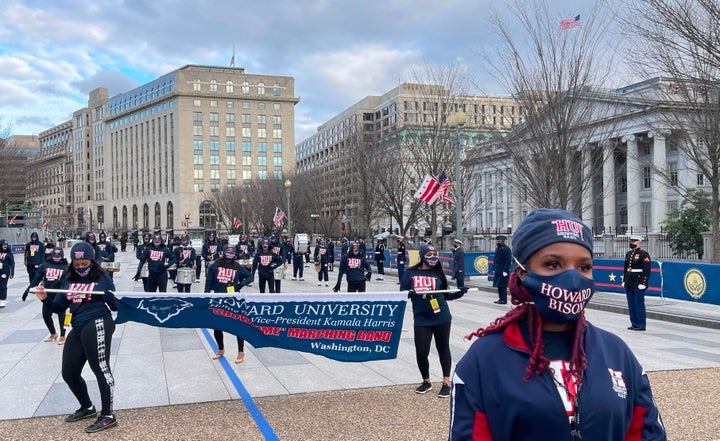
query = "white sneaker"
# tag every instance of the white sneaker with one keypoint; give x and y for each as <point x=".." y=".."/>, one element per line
<point x="301" y="279"/>
<point x="380" y="278"/>
<point x="319" y="284"/>
<point x="2" y="303"/>
<point x="294" y="278"/>
<point x="327" y="284"/>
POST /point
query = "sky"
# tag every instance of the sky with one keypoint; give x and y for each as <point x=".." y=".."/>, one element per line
<point x="52" y="53"/>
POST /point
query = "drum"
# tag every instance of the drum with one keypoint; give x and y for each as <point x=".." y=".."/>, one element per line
<point x="247" y="263"/>
<point x="112" y="267"/>
<point x="279" y="273"/>
<point x="301" y="243"/>
<point x="185" y="276"/>
<point x="144" y="271"/>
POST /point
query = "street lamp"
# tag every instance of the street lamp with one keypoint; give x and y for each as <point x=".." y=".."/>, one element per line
<point x="287" y="185"/>
<point x="187" y="220"/>
<point x="456" y="122"/>
<point x="242" y="207"/>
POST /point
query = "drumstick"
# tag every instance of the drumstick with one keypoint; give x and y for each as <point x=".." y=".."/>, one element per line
<point x="65" y="291"/>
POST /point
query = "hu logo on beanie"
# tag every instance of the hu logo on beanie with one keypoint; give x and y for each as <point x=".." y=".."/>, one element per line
<point x="546" y="226"/>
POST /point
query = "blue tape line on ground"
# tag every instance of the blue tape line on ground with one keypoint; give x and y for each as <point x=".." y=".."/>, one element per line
<point x="260" y="420"/>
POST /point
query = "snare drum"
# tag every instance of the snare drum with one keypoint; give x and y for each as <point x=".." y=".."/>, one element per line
<point x="144" y="271"/>
<point x="247" y="263"/>
<point x="301" y="243"/>
<point x="112" y="267"/>
<point x="185" y="276"/>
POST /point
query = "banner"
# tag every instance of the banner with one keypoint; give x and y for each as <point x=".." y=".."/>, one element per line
<point x="346" y="327"/>
<point x="692" y="281"/>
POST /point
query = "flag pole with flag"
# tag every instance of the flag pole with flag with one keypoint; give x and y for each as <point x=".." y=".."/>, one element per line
<point x="278" y="217"/>
<point x="232" y="60"/>
<point x="570" y="23"/>
<point x="444" y="187"/>
<point x="428" y="191"/>
<point x="236" y="223"/>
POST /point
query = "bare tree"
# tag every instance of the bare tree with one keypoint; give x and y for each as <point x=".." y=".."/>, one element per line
<point x="554" y="75"/>
<point x="679" y="39"/>
<point x="13" y="170"/>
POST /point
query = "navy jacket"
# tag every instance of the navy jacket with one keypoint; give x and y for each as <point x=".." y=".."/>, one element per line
<point x="185" y="256"/>
<point x="458" y="262"/>
<point x="157" y="258"/>
<point x="51" y="275"/>
<point x="105" y="251"/>
<point x="34" y="253"/>
<point x="427" y="280"/>
<point x="7" y="264"/>
<point x="85" y="308"/>
<point x="501" y="264"/>
<point x="224" y="273"/>
<point x="355" y="267"/>
<point x="265" y="262"/>
<point x="491" y="401"/>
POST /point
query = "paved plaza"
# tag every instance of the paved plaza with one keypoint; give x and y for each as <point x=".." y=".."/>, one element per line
<point x="161" y="367"/>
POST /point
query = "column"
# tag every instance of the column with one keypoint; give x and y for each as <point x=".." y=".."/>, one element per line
<point x="634" y="180"/>
<point x="659" y="185"/>
<point x="587" y="187"/>
<point x="609" y="190"/>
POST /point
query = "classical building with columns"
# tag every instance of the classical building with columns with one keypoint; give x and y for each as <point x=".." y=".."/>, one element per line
<point x="635" y="166"/>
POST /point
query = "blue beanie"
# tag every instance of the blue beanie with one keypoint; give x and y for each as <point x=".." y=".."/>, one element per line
<point x="546" y="226"/>
<point x="425" y="249"/>
<point x="82" y="251"/>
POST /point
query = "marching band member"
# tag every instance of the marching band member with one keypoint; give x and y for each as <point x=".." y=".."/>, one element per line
<point x="139" y="251"/>
<point x="210" y="250"/>
<point x="50" y="275"/>
<point x="158" y="258"/>
<point x="321" y="256"/>
<point x="186" y="259"/>
<point x="34" y="255"/>
<point x="278" y="248"/>
<point x="7" y="269"/>
<point x="264" y="265"/>
<point x="357" y="269"/>
<point x="105" y="250"/>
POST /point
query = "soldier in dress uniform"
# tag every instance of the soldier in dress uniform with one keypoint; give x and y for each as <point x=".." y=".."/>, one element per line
<point x="635" y="281"/>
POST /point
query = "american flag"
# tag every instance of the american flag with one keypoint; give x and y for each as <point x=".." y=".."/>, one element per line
<point x="44" y="224"/>
<point x="279" y="216"/>
<point x="570" y="23"/>
<point x="444" y="187"/>
<point x="428" y="191"/>
<point x="236" y="223"/>
<point x="11" y="221"/>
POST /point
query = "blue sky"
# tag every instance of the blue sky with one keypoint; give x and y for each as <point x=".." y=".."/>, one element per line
<point x="52" y="53"/>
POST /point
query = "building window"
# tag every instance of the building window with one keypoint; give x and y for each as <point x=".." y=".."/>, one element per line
<point x="262" y="147"/>
<point x="230" y="117"/>
<point x="247" y="175"/>
<point x="197" y="103"/>
<point x="230" y="131"/>
<point x="230" y="146"/>
<point x="277" y="120"/>
<point x="197" y="159"/>
<point x="214" y="159"/>
<point x="247" y="160"/>
<point x="199" y="188"/>
<point x="262" y="133"/>
<point x="276" y="89"/>
<point x="214" y="186"/>
<point x="277" y="161"/>
<point x="197" y="116"/>
<point x="214" y="117"/>
<point x="276" y="106"/>
<point x="647" y="176"/>
<point x="245" y="105"/>
<point x="214" y="145"/>
<point x="245" y="87"/>
<point x="214" y="174"/>
<point x="229" y="88"/>
<point x="277" y="133"/>
<point x="261" y="106"/>
<point x="246" y="118"/>
<point x="261" y="119"/>
<point x="246" y="133"/>
<point x="197" y="144"/>
<point x="673" y="171"/>
<point x="197" y="130"/>
<point x="230" y="104"/>
<point x="213" y="85"/>
<point x="277" y="147"/>
<point x="199" y="173"/>
<point x="231" y="174"/>
<point x="214" y="130"/>
<point x="213" y="103"/>
<point x="246" y="146"/>
<point x="646" y="214"/>
<point x="230" y="160"/>
<point x="262" y="174"/>
<point x="700" y="179"/>
<point x="196" y="85"/>
<point x="261" y="88"/>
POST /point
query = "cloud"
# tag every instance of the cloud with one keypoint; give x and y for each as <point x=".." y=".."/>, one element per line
<point x="116" y="82"/>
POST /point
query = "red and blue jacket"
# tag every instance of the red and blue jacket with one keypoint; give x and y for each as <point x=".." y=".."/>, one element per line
<point x="492" y="401"/>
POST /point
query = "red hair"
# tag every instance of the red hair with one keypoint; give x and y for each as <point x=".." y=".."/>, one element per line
<point x="525" y="308"/>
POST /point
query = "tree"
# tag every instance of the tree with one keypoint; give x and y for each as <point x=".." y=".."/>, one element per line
<point x="679" y="39"/>
<point x="13" y="170"/>
<point x="684" y="230"/>
<point x="553" y="74"/>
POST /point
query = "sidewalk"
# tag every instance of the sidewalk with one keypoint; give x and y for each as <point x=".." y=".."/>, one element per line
<point x="160" y="367"/>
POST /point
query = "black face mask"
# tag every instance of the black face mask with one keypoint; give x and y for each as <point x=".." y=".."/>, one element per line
<point x="633" y="246"/>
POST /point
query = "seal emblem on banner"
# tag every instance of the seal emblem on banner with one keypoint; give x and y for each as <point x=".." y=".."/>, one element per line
<point x="695" y="283"/>
<point x="481" y="264"/>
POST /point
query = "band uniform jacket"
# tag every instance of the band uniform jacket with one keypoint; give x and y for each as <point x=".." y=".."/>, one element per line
<point x="637" y="268"/>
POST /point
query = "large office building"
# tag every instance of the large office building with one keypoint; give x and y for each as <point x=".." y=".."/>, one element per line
<point x="407" y="107"/>
<point x="149" y="158"/>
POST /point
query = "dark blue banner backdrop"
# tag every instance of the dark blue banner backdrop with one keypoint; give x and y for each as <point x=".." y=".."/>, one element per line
<point x="691" y="281"/>
<point x="347" y="327"/>
<point x="608" y="275"/>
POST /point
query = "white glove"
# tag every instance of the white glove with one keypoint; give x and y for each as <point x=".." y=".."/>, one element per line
<point x="504" y="274"/>
<point x="641" y="286"/>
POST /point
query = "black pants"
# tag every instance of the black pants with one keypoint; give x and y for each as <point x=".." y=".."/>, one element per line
<point x="90" y="344"/>
<point x="31" y="269"/>
<point x="47" y="317"/>
<point x="3" y="285"/>
<point x="423" y="335"/>
<point x="157" y="282"/>
<point x="298" y="266"/>
<point x="270" y="281"/>
<point x="183" y="287"/>
<point x="220" y="340"/>
<point x="356" y="287"/>
<point x="323" y="273"/>
<point x="381" y="267"/>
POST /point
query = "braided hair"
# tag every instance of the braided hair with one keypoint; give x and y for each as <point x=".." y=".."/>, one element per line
<point x="525" y="309"/>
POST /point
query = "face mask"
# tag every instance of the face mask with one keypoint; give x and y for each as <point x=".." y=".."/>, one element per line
<point x="230" y="256"/>
<point x="560" y="298"/>
<point x="156" y="243"/>
<point x="431" y="261"/>
<point x="56" y="259"/>
<point x="83" y="270"/>
<point x="633" y="246"/>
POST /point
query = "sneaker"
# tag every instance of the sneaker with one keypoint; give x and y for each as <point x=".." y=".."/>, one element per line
<point x="444" y="391"/>
<point x="294" y="278"/>
<point x="2" y="303"/>
<point x="327" y="284"/>
<point x="103" y="422"/>
<point x="380" y="278"/>
<point x="319" y="283"/>
<point x="500" y="302"/>
<point x="81" y="414"/>
<point x="301" y="279"/>
<point x="424" y="387"/>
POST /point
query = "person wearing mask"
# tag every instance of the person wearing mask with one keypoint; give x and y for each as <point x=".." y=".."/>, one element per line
<point x="172" y="271"/>
<point x="542" y="371"/>
<point x="245" y="248"/>
<point x="401" y="258"/>
<point x="380" y="259"/>
<point x="139" y="251"/>
<point x="298" y="266"/>
<point x="50" y="276"/>
<point x="344" y="246"/>
<point x="90" y="339"/>
<point x="159" y="258"/>
<point x="431" y="315"/>
<point x="7" y="270"/>
<point x="635" y="281"/>
<point x="227" y="276"/>
<point x="321" y="258"/>
<point x="264" y="265"/>
<point x="278" y="248"/>
<point x="185" y="255"/>
<point x="331" y="255"/>
<point x="458" y="263"/>
<point x="501" y="269"/>
<point x="105" y="250"/>
<point x="34" y="255"/>
<point x="357" y="269"/>
<point x="210" y="250"/>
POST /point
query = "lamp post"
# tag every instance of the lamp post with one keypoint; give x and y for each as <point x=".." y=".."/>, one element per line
<point x="187" y="221"/>
<point x="315" y="217"/>
<point x="242" y="207"/>
<point x="287" y="185"/>
<point x="456" y="122"/>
